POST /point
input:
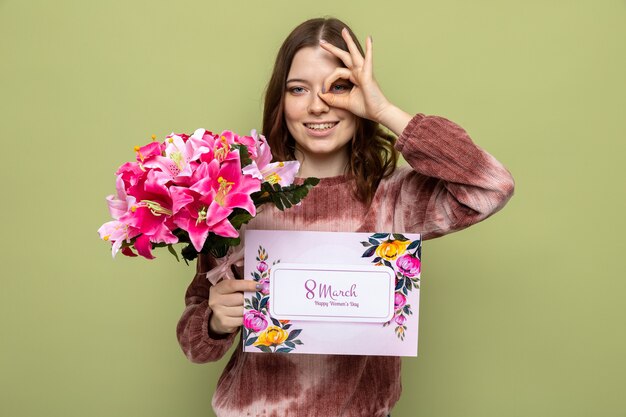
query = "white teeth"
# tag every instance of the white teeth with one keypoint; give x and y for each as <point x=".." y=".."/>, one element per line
<point x="320" y="126"/>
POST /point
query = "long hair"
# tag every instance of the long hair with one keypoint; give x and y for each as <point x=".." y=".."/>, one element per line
<point x="371" y="150"/>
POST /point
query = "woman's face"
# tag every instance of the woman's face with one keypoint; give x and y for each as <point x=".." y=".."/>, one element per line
<point x="318" y="129"/>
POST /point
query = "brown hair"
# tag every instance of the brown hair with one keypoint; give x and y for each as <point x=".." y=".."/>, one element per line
<point x="372" y="153"/>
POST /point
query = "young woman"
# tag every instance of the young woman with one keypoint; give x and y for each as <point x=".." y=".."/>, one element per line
<point x="324" y="108"/>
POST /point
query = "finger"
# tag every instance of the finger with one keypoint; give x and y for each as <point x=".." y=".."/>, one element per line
<point x="335" y="100"/>
<point x="229" y="286"/>
<point x="231" y="312"/>
<point x="355" y="54"/>
<point x="344" y="56"/>
<point x="228" y="300"/>
<point x="369" y="60"/>
<point x="337" y="74"/>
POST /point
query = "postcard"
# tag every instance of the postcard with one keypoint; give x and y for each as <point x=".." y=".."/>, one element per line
<point x="332" y="293"/>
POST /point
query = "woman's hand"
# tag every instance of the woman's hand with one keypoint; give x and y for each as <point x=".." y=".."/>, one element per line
<point x="365" y="99"/>
<point x="226" y="304"/>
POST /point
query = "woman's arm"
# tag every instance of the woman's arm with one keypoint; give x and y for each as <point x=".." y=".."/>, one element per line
<point x="193" y="327"/>
<point x="453" y="182"/>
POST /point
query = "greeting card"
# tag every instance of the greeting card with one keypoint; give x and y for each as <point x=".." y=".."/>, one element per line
<point x="332" y="293"/>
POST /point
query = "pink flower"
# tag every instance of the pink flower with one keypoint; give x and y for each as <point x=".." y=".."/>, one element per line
<point x="149" y="151"/>
<point x="116" y="231"/>
<point x="254" y="320"/>
<point x="282" y="173"/>
<point x="151" y="215"/>
<point x="216" y="191"/>
<point x="130" y="172"/>
<point x="265" y="282"/>
<point x="399" y="301"/>
<point x="180" y="155"/>
<point x="400" y="320"/>
<point x="409" y="265"/>
<point x="261" y="266"/>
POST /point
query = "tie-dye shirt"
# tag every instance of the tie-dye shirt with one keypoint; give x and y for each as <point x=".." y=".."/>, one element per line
<point x="450" y="184"/>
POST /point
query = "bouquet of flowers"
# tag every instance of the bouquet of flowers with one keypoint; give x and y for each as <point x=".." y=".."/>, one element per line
<point x="198" y="190"/>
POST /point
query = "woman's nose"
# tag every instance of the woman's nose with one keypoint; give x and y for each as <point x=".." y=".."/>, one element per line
<point x="317" y="105"/>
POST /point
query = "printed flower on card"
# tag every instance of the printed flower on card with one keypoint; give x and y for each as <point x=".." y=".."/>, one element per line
<point x="254" y="320"/>
<point x="279" y="337"/>
<point x="399" y="300"/>
<point x="272" y="336"/>
<point x="386" y="247"/>
<point x="265" y="289"/>
<point x="409" y="265"/>
<point x="390" y="249"/>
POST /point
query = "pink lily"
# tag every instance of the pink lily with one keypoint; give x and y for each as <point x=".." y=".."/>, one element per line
<point x="151" y="215"/>
<point x="116" y="231"/>
<point x="177" y="165"/>
<point x="282" y="173"/>
<point x="217" y="190"/>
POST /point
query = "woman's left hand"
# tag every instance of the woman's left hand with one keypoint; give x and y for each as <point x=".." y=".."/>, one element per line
<point x="365" y="99"/>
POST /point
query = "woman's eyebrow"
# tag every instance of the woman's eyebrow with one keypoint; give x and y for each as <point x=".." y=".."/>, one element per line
<point x="293" y="80"/>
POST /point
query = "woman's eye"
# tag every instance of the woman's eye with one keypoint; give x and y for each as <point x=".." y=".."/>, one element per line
<point x="340" y="88"/>
<point x="296" y="90"/>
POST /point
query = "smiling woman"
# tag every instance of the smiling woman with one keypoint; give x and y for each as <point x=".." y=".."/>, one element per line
<point x="321" y="132"/>
<point x="324" y="108"/>
<point x="311" y="84"/>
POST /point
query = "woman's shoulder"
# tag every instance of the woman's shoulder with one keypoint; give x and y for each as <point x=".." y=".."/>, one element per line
<point x="399" y="175"/>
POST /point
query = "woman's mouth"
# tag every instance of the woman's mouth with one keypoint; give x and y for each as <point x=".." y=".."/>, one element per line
<point x="320" y="129"/>
<point x="320" y="126"/>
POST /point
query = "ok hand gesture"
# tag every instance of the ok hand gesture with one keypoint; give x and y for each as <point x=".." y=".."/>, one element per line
<point x="365" y="99"/>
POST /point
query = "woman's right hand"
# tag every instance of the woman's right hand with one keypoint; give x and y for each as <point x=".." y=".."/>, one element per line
<point x="226" y="304"/>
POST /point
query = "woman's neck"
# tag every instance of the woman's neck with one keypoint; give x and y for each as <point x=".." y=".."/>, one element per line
<point x="322" y="166"/>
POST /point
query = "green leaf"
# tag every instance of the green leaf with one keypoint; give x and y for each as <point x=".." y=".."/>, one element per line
<point x="251" y="340"/>
<point x="189" y="253"/>
<point x="171" y="250"/>
<point x="283" y="350"/>
<point x="239" y="217"/>
<point x="380" y="235"/>
<point x="369" y="252"/>
<point x="399" y="237"/>
<point x="294" y="334"/>
<point x="283" y="197"/>
<point x="297" y="342"/>
<point x="244" y="156"/>
<point x="264" y="349"/>
<point x="275" y="322"/>
<point x="366" y="244"/>
<point x="413" y="245"/>
<point x="290" y="344"/>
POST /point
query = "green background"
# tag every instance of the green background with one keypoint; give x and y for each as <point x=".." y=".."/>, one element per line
<point x="522" y="315"/>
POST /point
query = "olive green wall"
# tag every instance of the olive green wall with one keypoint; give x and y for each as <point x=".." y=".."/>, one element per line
<point x="522" y="315"/>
